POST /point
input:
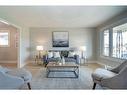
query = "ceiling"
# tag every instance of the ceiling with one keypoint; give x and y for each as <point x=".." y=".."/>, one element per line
<point x="61" y="16"/>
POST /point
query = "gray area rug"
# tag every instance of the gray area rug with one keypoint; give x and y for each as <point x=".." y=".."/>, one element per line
<point x="40" y="81"/>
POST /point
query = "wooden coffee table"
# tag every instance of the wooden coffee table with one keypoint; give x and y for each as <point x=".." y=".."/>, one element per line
<point x="67" y="67"/>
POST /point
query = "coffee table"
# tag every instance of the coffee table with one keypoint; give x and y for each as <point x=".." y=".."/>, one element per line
<point x="67" y="67"/>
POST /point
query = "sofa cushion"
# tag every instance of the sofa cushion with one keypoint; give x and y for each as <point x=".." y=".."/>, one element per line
<point x="102" y="74"/>
<point x="70" y="60"/>
<point x="53" y="59"/>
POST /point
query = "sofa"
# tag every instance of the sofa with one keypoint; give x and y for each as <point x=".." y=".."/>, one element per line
<point x="63" y="53"/>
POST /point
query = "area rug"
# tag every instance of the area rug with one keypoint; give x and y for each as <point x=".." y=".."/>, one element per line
<point x="84" y="81"/>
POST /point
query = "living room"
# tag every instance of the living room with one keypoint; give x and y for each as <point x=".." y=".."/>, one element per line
<point x="81" y="26"/>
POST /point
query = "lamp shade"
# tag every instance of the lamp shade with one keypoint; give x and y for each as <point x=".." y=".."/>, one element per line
<point x="39" y="48"/>
<point x="83" y="48"/>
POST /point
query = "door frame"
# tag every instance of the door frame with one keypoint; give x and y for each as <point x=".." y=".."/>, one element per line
<point x="19" y="41"/>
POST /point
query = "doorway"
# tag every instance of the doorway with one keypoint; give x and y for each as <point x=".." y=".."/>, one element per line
<point x="9" y="45"/>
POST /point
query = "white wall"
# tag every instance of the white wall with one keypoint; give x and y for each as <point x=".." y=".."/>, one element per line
<point x="77" y="37"/>
<point x="120" y="19"/>
<point x="24" y="46"/>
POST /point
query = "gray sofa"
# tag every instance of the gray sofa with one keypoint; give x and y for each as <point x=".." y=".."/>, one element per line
<point x="64" y="54"/>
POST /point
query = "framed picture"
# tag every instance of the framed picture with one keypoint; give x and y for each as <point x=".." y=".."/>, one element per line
<point x="60" y="39"/>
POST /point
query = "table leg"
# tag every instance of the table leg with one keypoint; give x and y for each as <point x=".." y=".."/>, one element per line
<point x="76" y="71"/>
<point x="48" y="71"/>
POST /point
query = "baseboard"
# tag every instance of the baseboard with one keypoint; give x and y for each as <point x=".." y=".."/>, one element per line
<point x="104" y="65"/>
<point x="8" y="61"/>
<point x="31" y="61"/>
<point x="24" y="64"/>
<point x="101" y="63"/>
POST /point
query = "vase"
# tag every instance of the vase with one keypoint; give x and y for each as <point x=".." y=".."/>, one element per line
<point x="63" y="60"/>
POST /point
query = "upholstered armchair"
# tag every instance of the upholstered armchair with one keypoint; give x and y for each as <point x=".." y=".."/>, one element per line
<point x="10" y="82"/>
<point x="113" y="79"/>
<point x="14" y="78"/>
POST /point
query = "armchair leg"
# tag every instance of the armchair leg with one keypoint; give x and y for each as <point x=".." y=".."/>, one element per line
<point x="29" y="86"/>
<point x="46" y="64"/>
<point x="94" y="85"/>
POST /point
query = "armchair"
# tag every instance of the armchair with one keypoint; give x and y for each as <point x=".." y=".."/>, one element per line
<point x="14" y="79"/>
<point x="112" y="79"/>
<point x="10" y="82"/>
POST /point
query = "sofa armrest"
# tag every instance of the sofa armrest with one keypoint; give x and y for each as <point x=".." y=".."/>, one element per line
<point x="77" y="58"/>
<point x="45" y="58"/>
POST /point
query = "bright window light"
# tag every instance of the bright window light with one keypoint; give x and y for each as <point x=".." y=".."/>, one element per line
<point x="106" y="43"/>
<point x="4" y="38"/>
<point x="120" y="41"/>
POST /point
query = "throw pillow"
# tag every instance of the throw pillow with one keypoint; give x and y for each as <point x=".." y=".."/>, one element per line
<point x="64" y="53"/>
<point x="50" y="54"/>
<point x="56" y="55"/>
<point x="71" y="54"/>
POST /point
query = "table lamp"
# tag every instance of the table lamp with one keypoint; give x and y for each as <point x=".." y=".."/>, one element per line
<point x="39" y="49"/>
<point x="83" y="49"/>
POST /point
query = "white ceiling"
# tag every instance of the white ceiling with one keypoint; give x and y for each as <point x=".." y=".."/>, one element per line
<point x="61" y="16"/>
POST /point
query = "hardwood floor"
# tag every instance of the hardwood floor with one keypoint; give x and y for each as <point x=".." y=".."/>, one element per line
<point x="9" y="65"/>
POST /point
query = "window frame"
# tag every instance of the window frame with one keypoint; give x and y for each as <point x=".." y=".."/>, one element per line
<point x="103" y="43"/>
<point x="6" y="31"/>
<point x="110" y="57"/>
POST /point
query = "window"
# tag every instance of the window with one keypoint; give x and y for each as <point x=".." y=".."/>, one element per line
<point x="115" y="42"/>
<point x="106" y="43"/>
<point x="4" y="38"/>
<point x="120" y="41"/>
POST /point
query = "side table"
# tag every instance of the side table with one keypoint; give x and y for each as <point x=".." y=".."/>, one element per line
<point x="83" y="61"/>
<point x="38" y="60"/>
